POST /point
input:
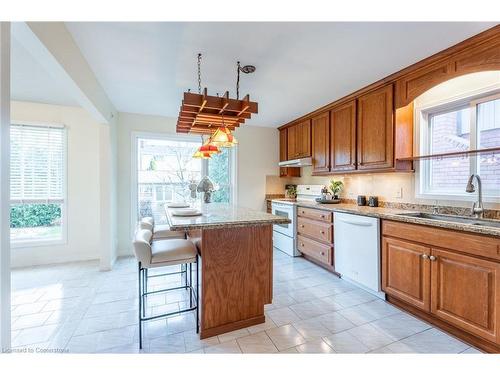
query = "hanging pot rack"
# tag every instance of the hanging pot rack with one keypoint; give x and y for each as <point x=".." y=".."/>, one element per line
<point x="203" y="114"/>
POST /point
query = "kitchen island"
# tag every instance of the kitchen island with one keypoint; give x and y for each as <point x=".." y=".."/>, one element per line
<point x="236" y="273"/>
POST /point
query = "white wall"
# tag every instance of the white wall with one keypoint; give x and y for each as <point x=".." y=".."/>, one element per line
<point x="257" y="156"/>
<point x="83" y="185"/>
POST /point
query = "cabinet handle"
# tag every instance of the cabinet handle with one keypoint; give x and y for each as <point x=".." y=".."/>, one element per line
<point x="425" y="256"/>
<point x="432" y="257"/>
<point x="322" y="253"/>
<point x="322" y="216"/>
<point x="302" y="225"/>
<point x="302" y="244"/>
<point x="322" y="232"/>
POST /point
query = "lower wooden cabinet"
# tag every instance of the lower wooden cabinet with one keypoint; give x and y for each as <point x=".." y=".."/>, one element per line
<point x="317" y="230"/>
<point x="444" y="276"/>
<point x="465" y="292"/>
<point x="406" y="273"/>
<point x="318" y="251"/>
<point x="315" y="235"/>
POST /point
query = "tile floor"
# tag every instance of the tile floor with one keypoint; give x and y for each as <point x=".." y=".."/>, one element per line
<point x="77" y="308"/>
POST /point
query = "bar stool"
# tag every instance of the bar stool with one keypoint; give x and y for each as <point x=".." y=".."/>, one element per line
<point x="160" y="231"/>
<point x="162" y="253"/>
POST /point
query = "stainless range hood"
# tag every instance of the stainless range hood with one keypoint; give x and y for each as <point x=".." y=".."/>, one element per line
<point x="296" y="163"/>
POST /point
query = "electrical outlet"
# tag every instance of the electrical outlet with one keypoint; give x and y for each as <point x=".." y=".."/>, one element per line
<point x="398" y="193"/>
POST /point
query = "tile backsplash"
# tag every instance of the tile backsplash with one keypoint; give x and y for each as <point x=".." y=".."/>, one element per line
<point x="389" y="187"/>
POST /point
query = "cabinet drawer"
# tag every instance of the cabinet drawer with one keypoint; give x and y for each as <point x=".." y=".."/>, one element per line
<point x="474" y="244"/>
<point x="316" y="250"/>
<point x="314" y="229"/>
<point x="312" y="213"/>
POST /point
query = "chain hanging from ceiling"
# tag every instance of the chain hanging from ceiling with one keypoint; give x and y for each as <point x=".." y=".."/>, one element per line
<point x="199" y="73"/>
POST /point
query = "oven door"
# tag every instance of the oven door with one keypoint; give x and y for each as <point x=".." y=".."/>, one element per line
<point x="284" y="210"/>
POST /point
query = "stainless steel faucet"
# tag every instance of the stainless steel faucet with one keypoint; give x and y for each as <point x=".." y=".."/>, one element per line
<point x="477" y="207"/>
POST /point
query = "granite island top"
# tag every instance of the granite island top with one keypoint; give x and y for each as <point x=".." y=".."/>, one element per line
<point x="222" y="215"/>
<point x="395" y="214"/>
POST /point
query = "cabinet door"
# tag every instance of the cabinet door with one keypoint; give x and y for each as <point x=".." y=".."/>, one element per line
<point x="375" y="129"/>
<point x="303" y="139"/>
<point x="343" y="141"/>
<point x="290" y="172"/>
<point x="283" y="151"/>
<point x="465" y="293"/>
<point x="321" y="143"/>
<point x="292" y="151"/>
<point x="406" y="272"/>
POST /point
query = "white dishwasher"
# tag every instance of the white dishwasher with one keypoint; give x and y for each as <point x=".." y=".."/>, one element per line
<point x="357" y="250"/>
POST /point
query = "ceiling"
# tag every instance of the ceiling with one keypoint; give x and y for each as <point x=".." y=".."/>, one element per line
<point x="30" y="82"/>
<point x="145" y="67"/>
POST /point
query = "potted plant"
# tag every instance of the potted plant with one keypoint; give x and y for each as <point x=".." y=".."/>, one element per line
<point x="336" y="187"/>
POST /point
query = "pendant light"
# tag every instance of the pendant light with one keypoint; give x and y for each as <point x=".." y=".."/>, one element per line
<point x="223" y="137"/>
<point x="206" y="150"/>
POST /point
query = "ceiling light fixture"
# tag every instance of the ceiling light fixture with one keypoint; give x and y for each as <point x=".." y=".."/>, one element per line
<point x="202" y="113"/>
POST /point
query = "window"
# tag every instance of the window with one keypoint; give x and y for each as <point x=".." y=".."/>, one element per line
<point x="466" y="125"/>
<point x="219" y="171"/>
<point x="38" y="181"/>
<point x="165" y="168"/>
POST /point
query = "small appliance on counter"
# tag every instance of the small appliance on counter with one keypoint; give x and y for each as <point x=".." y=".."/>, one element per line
<point x="361" y="200"/>
<point x="373" y="201"/>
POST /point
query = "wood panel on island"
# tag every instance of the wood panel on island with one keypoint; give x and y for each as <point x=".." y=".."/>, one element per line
<point x="371" y="130"/>
<point x="449" y="278"/>
<point x="315" y="236"/>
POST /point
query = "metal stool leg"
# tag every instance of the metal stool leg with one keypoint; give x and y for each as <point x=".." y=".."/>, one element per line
<point x="190" y="286"/>
<point x="140" y="306"/>
<point x="197" y="297"/>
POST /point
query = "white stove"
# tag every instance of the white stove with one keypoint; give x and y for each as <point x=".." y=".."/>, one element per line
<point x="284" y="235"/>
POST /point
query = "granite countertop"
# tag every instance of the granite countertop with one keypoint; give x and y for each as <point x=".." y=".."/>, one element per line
<point x="221" y="215"/>
<point x="395" y="214"/>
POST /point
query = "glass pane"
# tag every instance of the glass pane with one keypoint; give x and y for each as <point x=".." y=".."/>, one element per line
<point x="488" y="122"/>
<point x="29" y="222"/>
<point x="219" y="173"/>
<point x="449" y="132"/>
<point x="165" y="169"/>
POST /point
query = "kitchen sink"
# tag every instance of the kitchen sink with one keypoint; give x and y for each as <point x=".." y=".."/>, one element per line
<point x="455" y="219"/>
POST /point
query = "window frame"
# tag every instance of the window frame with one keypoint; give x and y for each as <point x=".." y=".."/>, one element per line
<point x="29" y="243"/>
<point x="422" y="145"/>
<point x="135" y="135"/>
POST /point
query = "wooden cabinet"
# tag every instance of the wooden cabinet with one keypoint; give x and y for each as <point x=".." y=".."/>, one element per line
<point x="290" y="172"/>
<point x="314" y="214"/>
<point x="316" y="230"/>
<point x="343" y="137"/>
<point x="321" y="143"/>
<point x="315" y="235"/>
<point x="453" y="278"/>
<point x="405" y="272"/>
<point x="321" y="252"/>
<point x="465" y="292"/>
<point x="375" y="129"/>
<point x="299" y="140"/>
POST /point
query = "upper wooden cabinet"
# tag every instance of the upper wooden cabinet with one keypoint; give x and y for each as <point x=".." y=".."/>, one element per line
<point x="290" y="172"/>
<point x="321" y="143"/>
<point x="375" y="130"/>
<point x="343" y="137"/>
<point x="299" y="140"/>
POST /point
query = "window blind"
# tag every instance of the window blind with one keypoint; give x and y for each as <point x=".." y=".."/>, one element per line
<point x="37" y="164"/>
